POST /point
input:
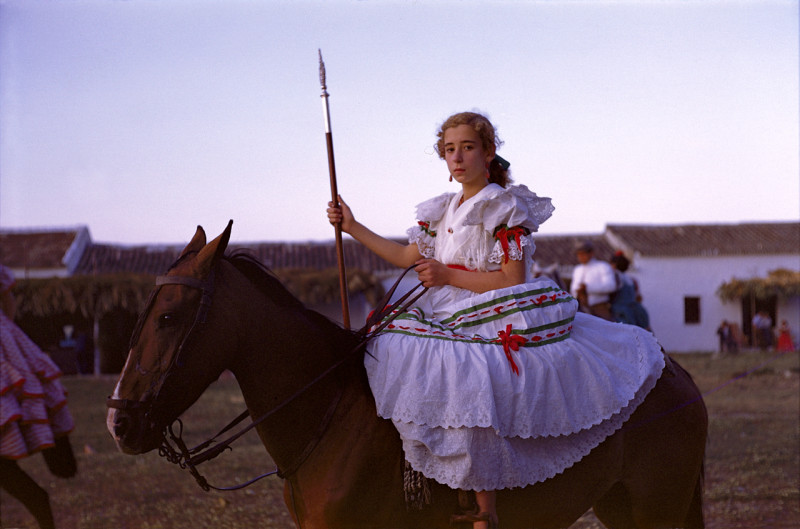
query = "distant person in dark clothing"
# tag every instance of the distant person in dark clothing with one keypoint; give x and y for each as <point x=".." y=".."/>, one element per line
<point x="727" y="339"/>
<point x="762" y="330"/>
<point x="626" y="306"/>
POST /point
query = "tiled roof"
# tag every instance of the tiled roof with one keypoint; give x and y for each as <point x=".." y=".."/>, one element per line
<point x="48" y="249"/>
<point x="704" y="240"/>
<point x="104" y="258"/>
<point x="154" y="260"/>
<point x="38" y="248"/>
<point x="560" y="249"/>
<point x="317" y="256"/>
<point x="110" y="259"/>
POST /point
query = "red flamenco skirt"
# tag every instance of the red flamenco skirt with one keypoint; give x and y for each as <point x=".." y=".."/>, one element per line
<point x="33" y="402"/>
<point x="785" y="342"/>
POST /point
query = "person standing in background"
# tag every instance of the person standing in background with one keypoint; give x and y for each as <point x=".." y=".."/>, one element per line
<point x="593" y="282"/>
<point x="626" y="303"/>
<point x="785" y="343"/>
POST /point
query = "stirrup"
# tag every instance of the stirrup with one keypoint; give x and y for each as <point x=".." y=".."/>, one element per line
<point x="472" y="518"/>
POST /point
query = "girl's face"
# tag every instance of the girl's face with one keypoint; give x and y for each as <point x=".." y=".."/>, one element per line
<point x="465" y="156"/>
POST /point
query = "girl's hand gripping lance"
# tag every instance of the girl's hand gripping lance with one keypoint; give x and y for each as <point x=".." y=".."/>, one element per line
<point x="334" y="196"/>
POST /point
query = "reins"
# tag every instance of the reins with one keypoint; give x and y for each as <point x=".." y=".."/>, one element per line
<point x="190" y="458"/>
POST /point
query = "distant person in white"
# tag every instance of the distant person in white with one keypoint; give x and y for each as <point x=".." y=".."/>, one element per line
<point x="593" y="282"/>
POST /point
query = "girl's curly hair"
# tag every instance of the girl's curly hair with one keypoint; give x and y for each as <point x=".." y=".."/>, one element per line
<point x="489" y="140"/>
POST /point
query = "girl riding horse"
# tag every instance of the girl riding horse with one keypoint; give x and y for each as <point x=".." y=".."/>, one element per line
<point x="494" y="381"/>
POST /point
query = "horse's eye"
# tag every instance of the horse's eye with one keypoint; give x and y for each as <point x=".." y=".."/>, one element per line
<point x="166" y="319"/>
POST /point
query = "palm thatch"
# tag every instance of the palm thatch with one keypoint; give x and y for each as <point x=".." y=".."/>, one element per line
<point x="316" y="287"/>
<point x="781" y="283"/>
<point x="104" y="298"/>
<point x="95" y="296"/>
<point x="90" y="296"/>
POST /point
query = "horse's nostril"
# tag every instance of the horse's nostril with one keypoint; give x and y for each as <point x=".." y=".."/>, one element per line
<point x="121" y="426"/>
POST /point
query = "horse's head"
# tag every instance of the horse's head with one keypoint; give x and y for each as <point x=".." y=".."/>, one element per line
<point x="171" y="360"/>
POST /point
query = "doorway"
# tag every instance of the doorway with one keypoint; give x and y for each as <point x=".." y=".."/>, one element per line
<point x="751" y="305"/>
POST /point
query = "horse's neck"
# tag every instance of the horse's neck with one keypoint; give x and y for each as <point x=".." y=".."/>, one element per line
<point x="279" y="368"/>
<point x="353" y="451"/>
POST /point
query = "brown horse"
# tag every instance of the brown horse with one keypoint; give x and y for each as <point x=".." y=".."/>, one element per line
<point x="342" y="465"/>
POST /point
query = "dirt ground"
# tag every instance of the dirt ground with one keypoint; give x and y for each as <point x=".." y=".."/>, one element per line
<point x="752" y="459"/>
<point x="753" y="451"/>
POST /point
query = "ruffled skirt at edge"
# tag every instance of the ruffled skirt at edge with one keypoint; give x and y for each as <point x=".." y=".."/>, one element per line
<point x="468" y="421"/>
<point x="33" y="409"/>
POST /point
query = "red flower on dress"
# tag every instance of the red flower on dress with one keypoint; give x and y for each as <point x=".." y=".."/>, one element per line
<point x="426" y="227"/>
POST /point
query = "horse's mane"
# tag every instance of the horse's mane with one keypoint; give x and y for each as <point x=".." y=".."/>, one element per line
<point x="267" y="283"/>
<point x="263" y="278"/>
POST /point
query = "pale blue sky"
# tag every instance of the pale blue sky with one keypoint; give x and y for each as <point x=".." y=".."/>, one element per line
<point x="145" y="118"/>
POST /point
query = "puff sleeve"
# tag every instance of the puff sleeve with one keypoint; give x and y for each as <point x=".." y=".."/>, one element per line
<point x="510" y="217"/>
<point x="429" y="214"/>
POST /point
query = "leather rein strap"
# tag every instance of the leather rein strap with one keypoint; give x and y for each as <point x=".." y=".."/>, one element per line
<point x="191" y="458"/>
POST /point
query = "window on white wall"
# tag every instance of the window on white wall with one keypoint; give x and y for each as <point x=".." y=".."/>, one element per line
<point x="691" y="309"/>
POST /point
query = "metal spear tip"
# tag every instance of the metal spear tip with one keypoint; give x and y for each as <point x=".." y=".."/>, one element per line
<point x="321" y="70"/>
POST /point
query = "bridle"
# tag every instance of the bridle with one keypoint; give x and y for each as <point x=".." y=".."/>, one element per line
<point x="190" y="458"/>
<point x="206" y="288"/>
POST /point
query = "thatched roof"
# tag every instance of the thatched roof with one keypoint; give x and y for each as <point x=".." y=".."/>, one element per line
<point x="780" y="283"/>
<point x="90" y="296"/>
<point x="94" y="296"/>
<point x="315" y="287"/>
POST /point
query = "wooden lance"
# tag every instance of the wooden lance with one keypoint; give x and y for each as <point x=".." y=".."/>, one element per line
<point x="334" y="196"/>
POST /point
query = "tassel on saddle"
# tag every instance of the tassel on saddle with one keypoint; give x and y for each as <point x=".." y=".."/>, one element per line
<point x="417" y="489"/>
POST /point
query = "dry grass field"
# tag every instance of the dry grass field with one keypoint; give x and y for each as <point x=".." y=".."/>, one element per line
<point x="752" y="462"/>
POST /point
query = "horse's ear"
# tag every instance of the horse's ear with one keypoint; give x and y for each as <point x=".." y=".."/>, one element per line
<point x="196" y="244"/>
<point x="211" y="253"/>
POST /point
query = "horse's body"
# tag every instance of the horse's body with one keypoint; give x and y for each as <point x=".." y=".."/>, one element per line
<point x="342" y="464"/>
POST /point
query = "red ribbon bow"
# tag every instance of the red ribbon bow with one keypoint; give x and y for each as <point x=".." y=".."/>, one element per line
<point x="511" y="342"/>
<point x="504" y="233"/>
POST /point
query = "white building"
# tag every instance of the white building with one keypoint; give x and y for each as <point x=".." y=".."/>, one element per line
<point x="681" y="268"/>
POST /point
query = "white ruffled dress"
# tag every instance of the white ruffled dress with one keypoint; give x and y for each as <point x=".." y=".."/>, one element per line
<point x="513" y="386"/>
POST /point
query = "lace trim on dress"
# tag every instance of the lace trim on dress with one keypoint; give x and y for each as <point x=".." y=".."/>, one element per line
<point x="428" y="213"/>
<point x="513" y="206"/>
<point x="424" y="241"/>
<point x="434" y="208"/>
<point x="516" y="253"/>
